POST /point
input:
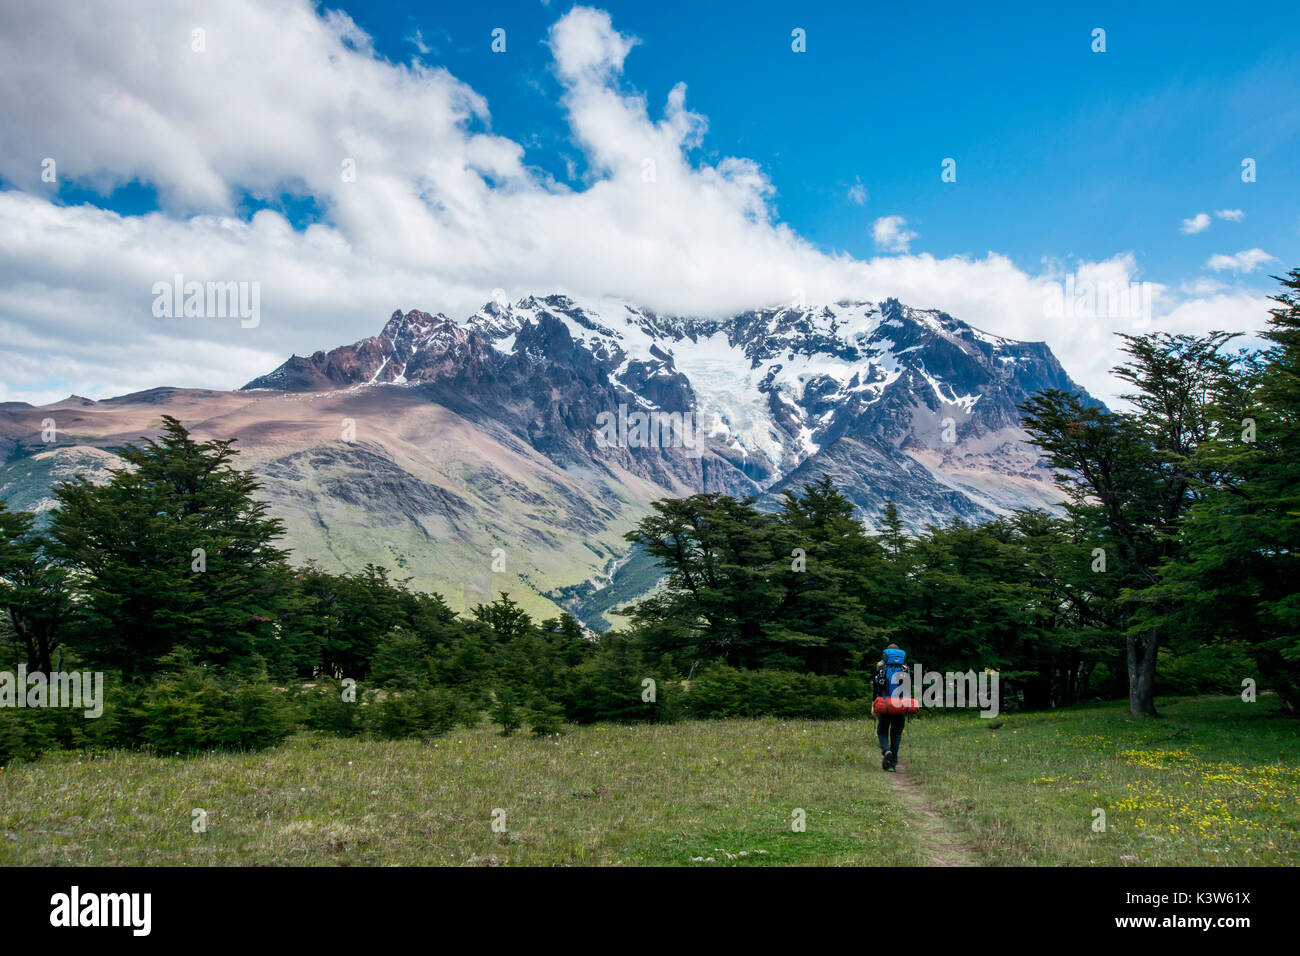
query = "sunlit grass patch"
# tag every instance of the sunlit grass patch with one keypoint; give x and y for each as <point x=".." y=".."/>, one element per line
<point x="1212" y="781"/>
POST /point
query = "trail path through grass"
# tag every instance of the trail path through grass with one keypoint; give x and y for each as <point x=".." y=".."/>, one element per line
<point x="1215" y="782"/>
<point x="940" y="845"/>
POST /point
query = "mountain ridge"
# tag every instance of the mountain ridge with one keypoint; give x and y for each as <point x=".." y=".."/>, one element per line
<point x="468" y="455"/>
<point x="779" y="388"/>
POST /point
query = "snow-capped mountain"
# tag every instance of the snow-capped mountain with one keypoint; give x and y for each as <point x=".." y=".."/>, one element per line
<point x="894" y="402"/>
<point x="475" y="456"/>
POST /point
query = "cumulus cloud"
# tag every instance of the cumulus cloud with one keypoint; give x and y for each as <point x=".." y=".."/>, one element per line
<point x="1198" y="223"/>
<point x="1246" y="261"/>
<point x="440" y="211"/>
<point x="1232" y="215"/>
<point x="891" y="234"/>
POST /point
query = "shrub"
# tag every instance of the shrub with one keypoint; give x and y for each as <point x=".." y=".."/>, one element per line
<point x="505" y="711"/>
<point x="398" y="662"/>
<point x="545" y="718"/>
<point x="323" y="708"/>
<point x="195" y="710"/>
<point x="720" y="691"/>
<point x="424" y="712"/>
<point x="608" y="688"/>
<point x="25" y="735"/>
<point x="1206" y="670"/>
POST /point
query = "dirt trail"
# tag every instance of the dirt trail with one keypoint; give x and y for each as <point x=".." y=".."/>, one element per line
<point x="941" y="846"/>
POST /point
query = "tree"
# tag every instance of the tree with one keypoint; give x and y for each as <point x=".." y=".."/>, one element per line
<point x="1235" y="580"/>
<point x="33" y="589"/>
<point x="173" y="551"/>
<point x="895" y="593"/>
<point x="830" y="581"/>
<point x="504" y="618"/>
<point x="972" y="606"/>
<point x="566" y="635"/>
<point x="722" y="558"/>
<point x="1135" y="473"/>
<point x="1073" y="608"/>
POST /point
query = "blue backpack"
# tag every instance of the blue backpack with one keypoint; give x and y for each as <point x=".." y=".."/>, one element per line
<point x="895" y="666"/>
<point x="891" y="683"/>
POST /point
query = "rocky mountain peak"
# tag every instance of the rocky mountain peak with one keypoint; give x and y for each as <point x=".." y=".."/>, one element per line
<point x="926" y="403"/>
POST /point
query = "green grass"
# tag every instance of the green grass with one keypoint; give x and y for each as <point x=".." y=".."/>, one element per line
<point x="1213" y="781"/>
<point x="597" y="795"/>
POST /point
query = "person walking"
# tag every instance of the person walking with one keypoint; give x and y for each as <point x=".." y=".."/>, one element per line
<point x="891" y="706"/>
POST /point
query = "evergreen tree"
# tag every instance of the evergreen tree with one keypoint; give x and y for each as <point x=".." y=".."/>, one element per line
<point x="174" y="551"/>
<point x="828" y="609"/>
<point x="723" y="560"/>
<point x="1235" y="581"/>
<point x="34" y="595"/>
<point x="1135" y="473"/>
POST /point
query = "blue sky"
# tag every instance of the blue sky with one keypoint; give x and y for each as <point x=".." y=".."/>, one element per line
<point x="1067" y="160"/>
<point x="1061" y="152"/>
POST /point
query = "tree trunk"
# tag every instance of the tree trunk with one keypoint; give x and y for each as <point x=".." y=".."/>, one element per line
<point x="1142" y="673"/>
<point x="1085" y="676"/>
<point x="1070" y="680"/>
<point x="39" y="646"/>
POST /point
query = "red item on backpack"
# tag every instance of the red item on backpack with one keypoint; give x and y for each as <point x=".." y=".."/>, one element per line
<point x="895" y="705"/>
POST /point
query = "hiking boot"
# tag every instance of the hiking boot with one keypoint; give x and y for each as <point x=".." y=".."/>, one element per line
<point x="887" y="760"/>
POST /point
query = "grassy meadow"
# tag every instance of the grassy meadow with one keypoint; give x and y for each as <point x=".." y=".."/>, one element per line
<point x="1212" y="781"/>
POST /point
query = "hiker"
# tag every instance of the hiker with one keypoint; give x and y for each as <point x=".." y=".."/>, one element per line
<point x="890" y="706"/>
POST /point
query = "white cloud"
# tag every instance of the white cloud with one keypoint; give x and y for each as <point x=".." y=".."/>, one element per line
<point x="858" y="193"/>
<point x="1202" y="286"/>
<point x="1246" y="261"/>
<point x="440" y="212"/>
<point x="1232" y="215"/>
<point x="1198" y="223"/>
<point x="891" y="234"/>
<point x="416" y="39"/>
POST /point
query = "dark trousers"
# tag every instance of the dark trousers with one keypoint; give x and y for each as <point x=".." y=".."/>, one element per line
<point x="889" y="729"/>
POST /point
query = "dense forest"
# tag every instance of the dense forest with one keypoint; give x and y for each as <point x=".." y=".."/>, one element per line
<point x="1171" y="569"/>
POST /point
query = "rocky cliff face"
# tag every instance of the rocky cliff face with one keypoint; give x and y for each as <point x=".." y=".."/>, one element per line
<point x="382" y="358"/>
<point x="894" y="402"/>
<point x="513" y="448"/>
